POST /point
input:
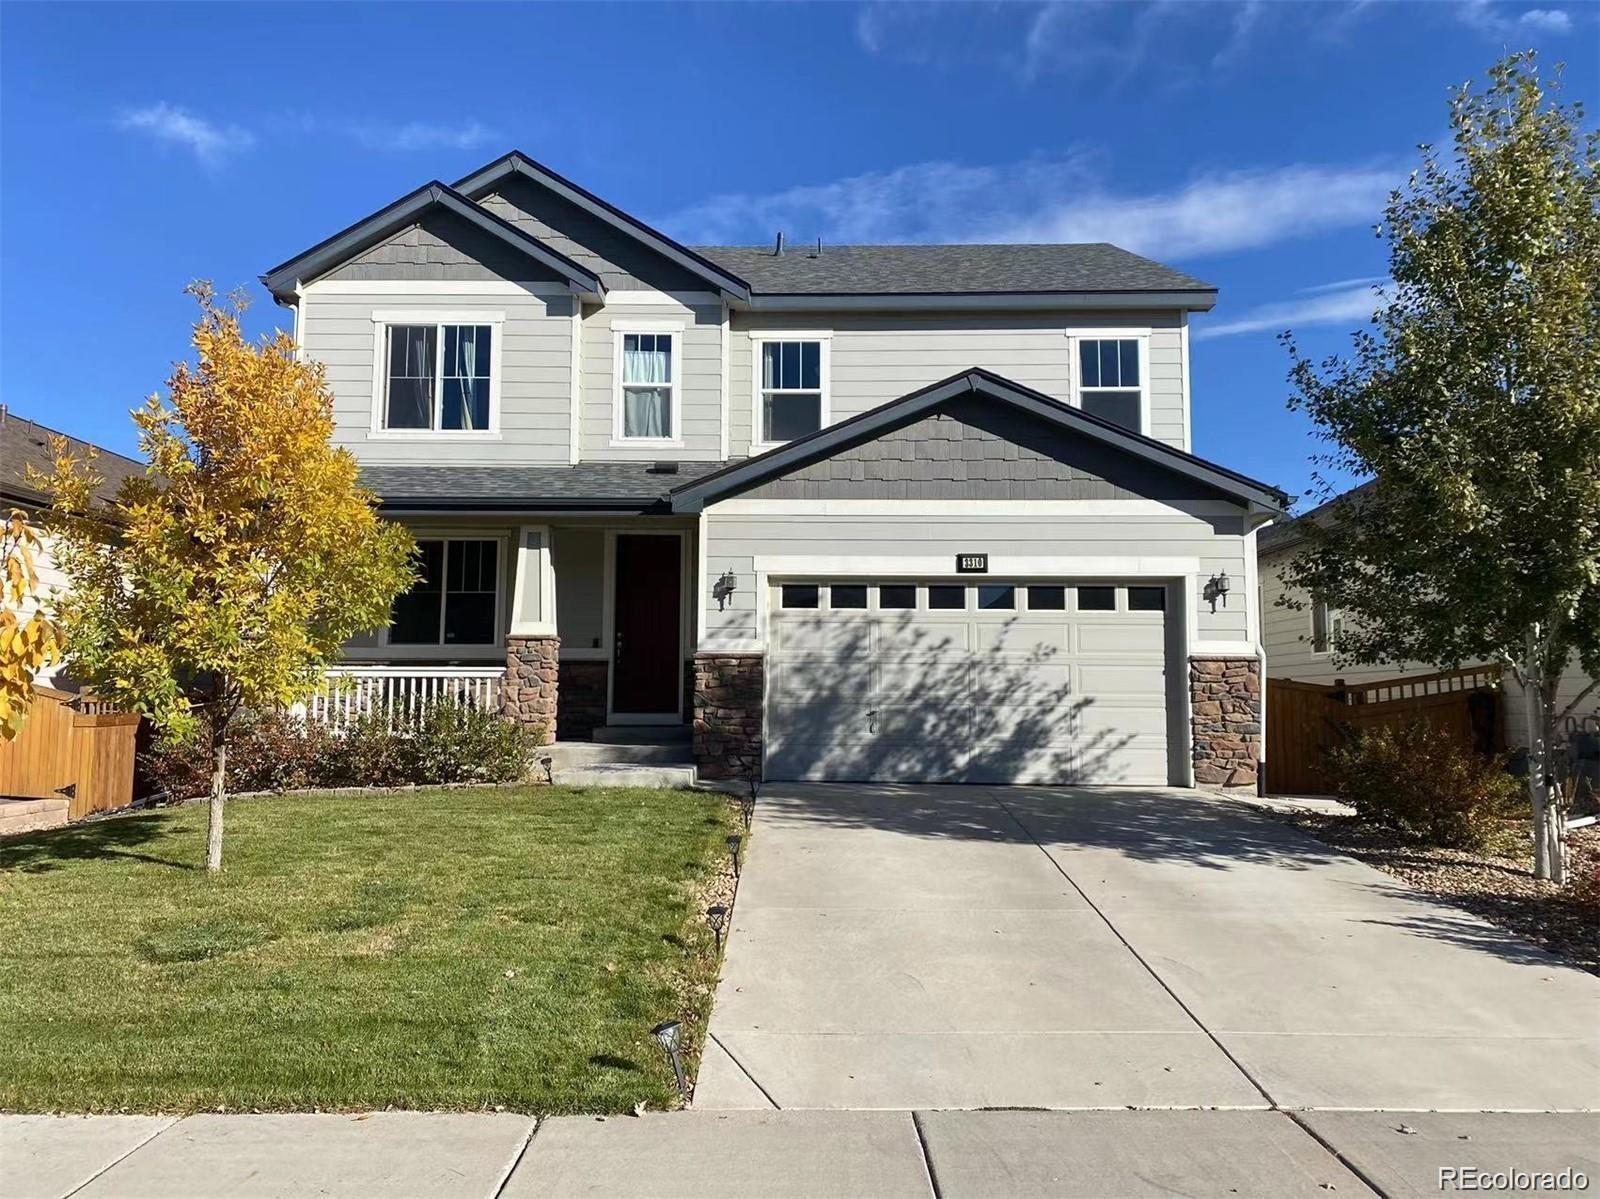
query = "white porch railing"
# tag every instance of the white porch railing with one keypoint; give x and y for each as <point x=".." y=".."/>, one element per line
<point x="401" y="692"/>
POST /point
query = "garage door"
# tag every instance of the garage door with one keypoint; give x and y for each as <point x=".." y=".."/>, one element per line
<point x="968" y="682"/>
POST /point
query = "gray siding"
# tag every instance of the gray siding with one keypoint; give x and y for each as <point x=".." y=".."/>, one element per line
<point x="620" y="260"/>
<point x="580" y="560"/>
<point x="970" y="450"/>
<point x="535" y="387"/>
<point x="735" y="540"/>
<point x="699" y="393"/>
<point x="443" y="246"/>
<point x="878" y="357"/>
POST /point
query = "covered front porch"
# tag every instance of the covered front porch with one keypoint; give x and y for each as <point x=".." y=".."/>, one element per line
<point x="567" y="625"/>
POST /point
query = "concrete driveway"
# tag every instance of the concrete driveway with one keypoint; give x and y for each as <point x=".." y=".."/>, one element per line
<point x="965" y="947"/>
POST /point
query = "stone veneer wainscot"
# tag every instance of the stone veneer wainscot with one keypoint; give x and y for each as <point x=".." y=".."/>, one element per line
<point x="729" y="691"/>
<point x="529" y="692"/>
<point x="1225" y="707"/>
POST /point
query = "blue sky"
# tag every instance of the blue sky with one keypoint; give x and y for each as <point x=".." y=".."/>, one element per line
<point x="1251" y="144"/>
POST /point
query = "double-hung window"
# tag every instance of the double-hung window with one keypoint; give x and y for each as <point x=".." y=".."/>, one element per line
<point x="647" y="374"/>
<point x="1111" y="379"/>
<point x="1326" y="625"/>
<point x="791" y="387"/>
<point x="456" y="598"/>
<point x="436" y="375"/>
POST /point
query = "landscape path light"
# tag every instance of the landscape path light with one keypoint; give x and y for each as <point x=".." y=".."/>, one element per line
<point x="669" y="1035"/>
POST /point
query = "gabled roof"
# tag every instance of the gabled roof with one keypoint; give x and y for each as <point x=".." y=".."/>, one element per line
<point x="588" y="486"/>
<point x="325" y="255"/>
<point x="25" y="443"/>
<point x="483" y="180"/>
<point x="741" y="476"/>
<point x="933" y="270"/>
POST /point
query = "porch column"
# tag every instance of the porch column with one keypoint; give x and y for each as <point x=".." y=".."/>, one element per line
<point x="528" y="695"/>
<point x="1225" y="702"/>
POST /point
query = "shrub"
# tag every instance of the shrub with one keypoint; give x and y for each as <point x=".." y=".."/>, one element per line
<point x="451" y="743"/>
<point x="1422" y="783"/>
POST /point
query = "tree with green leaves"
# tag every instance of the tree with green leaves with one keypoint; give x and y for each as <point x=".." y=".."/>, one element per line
<point x="1473" y="404"/>
<point x="240" y="562"/>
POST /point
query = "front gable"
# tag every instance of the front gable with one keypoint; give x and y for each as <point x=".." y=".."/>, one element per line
<point x="442" y="245"/>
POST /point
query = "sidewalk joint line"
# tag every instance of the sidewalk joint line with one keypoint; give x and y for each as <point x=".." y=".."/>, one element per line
<point x="516" y="1158"/>
<point x="1338" y="1155"/>
<point x="734" y="1058"/>
<point x="176" y="1120"/>
<point x="1137" y="956"/>
<point x="927" y="1160"/>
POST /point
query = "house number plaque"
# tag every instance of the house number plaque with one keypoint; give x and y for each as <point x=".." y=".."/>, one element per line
<point x="972" y="564"/>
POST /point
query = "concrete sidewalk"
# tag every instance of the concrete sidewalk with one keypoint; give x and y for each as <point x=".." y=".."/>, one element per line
<point x="711" y="1155"/>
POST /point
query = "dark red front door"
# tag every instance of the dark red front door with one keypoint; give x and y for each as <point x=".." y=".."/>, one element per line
<point x="647" y="676"/>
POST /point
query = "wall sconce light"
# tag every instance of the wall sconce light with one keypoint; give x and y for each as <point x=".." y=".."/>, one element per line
<point x="722" y="590"/>
<point x="1217" y="589"/>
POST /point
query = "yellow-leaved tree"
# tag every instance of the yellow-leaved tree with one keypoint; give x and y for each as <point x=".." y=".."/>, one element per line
<point x="247" y="554"/>
<point x="28" y="643"/>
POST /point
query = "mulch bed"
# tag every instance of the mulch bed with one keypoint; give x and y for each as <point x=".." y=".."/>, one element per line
<point x="1495" y="884"/>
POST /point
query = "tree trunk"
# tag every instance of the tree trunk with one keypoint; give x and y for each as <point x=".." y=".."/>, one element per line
<point x="1539" y="713"/>
<point x="219" y="791"/>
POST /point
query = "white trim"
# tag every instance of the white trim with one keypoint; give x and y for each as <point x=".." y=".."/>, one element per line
<point x="929" y="508"/>
<point x="383" y="319"/>
<point x="673" y="332"/>
<point x="608" y="628"/>
<point x="702" y="581"/>
<point x="1188" y="407"/>
<point x="685" y="299"/>
<point x="1000" y="566"/>
<point x="422" y="288"/>
<point x="1219" y="649"/>
<point x="543" y="622"/>
<point x="1252" y="588"/>
<point x="726" y="432"/>
<point x="824" y="340"/>
<point x="1075" y="336"/>
<point x="300" y="325"/>
<point x="575" y="414"/>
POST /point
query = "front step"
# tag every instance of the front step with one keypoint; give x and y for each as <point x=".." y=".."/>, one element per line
<point x="642" y="734"/>
<point x="624" y="775"/>
<point x="32" y="815"/>
<point x="573" y="755"/>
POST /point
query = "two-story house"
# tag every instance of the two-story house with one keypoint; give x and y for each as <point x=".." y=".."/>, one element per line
<point x="920" y="513"/>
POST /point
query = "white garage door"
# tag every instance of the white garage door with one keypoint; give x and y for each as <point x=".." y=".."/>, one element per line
<point x="968" y="682"/>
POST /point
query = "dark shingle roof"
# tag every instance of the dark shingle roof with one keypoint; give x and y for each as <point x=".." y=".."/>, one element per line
<point x="25" y="443"/>
<point x="634" y="486"/>
<point x="948" y="269"/>
<point x="1292" y="532"/>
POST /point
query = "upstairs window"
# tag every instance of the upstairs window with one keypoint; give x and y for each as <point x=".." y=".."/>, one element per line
<point x="791" y="389"/>
<point x="455" y="600"/>
<point x="438" y="377"/>
<point x="1326" y="625"/>
<point x="648" y="374"/>
<point x="1110" y="380"/>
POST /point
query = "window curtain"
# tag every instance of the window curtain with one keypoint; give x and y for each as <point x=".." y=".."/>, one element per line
<point x="463" y="367"/>
<point x="645" y="361"/>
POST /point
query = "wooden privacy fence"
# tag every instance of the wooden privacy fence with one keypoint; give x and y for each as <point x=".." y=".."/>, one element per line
<point x="61" y="750"/>
<point x="1305" y="719"/>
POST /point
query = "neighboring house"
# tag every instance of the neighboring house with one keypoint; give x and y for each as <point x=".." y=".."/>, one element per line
<point x="24" y="443"/>
<point x="855" y="512"/>
<point x="1300" y="643"/>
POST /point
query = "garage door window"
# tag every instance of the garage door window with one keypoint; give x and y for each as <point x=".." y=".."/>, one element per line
<point x="800" y="595"/>
<point x="947" y="598"/>
<point x="897" y="596"/>
<point x="847" y="595"/>
<point x="1147" y="599"/>
<point x="997" y="596"/>
<point x="1047" y="599"/>
<point x="1097" y="599"/>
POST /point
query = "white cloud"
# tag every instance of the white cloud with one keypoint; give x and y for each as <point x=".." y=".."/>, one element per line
<point x="206" y="140"/>
<point x="1341" y="285"/>
<point x="1496" y="20"/>
<point x="421" y="135"/>
<point x="1350" y="302"/>
<point x="1051" y="200"/>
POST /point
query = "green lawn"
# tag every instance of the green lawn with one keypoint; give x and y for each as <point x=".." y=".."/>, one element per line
<point x="449" y="949"/>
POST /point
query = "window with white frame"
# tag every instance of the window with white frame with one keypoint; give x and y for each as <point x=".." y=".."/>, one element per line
<point x="791" y="388"/>
<point x="647" y="373"/>
<point x="1111" y="379"/>
<point x="437" y="377"/>
<point x="456" y="598"/>
<point x="1326" y="625"/>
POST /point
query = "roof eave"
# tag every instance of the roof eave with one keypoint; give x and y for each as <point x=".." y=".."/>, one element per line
<point x="485" y="177"/>
<point x="1258" y="498"/>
